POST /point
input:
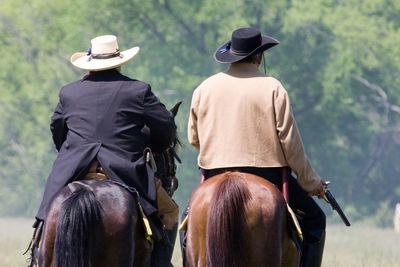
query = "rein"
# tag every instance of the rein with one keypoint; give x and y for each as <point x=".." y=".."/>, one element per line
<point x="130" y="189"/>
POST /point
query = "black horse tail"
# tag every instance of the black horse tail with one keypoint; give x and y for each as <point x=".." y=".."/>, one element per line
<point x="80" y="214"/>
<point x="227" y="227"/>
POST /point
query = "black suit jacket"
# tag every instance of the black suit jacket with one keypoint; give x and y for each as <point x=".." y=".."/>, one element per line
<point x="102" y="116"/>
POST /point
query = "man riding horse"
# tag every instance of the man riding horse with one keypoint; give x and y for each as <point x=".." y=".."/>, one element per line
<point x="242" y="120"/>
<point x="102" y="124"/>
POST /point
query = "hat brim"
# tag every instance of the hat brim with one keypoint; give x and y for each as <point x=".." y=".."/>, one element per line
<point x="83" y="61"/>
<point x="223" y="55"/>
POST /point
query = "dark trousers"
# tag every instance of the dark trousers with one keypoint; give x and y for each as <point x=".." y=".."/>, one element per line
<point x="311" y="218"/>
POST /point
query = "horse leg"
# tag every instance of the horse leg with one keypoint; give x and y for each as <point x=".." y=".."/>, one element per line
<point x="278" y="249"/>
<point x="115" y="243"/>
<point x="195" y="252"/>
<point x="266" y="225"/>
<point x="124" y="243"/>
<point x="291" y="254"/>
<point x="143" y="247"/>
<point x="264" y="246"/>
<point x="267" y="217"/>
<point x="47" y="243"/>
<point x="46" y="250"/>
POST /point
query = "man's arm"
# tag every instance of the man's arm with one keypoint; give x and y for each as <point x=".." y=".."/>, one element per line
<point x="193" y="137"/>
<point x="58" y="127"/>
<point x="292" y="144"/>
<point x="160" y="122"/>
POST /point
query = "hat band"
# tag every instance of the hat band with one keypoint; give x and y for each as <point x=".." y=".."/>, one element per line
<point x="106" y="55"/>
<point x="240" y="53"/>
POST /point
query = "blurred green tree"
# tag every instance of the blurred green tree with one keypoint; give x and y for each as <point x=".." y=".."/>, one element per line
<point x="339" y="61"/>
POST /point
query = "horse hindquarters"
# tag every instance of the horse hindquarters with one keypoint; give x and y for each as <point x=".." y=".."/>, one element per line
<point x="99" y="218"/>
<point x="216" y="226"/>
<point x="69" y="227"/>
<point x="241" y="220"/>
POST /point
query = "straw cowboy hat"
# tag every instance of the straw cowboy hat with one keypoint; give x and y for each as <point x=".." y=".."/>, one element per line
<point x="244" y="43"/>
<point x="103" y="55"/>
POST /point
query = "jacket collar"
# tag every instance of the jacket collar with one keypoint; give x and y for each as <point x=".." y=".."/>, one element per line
<point x="106" y="75"/>
<point x="244" y="70"/>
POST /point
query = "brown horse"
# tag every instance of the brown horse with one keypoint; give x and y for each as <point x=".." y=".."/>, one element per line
<point x="94" y="223"/>
<point x="238" y="220"/>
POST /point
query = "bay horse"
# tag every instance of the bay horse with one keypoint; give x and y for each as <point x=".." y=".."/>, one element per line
<point x="98" y="223"/>
<point x="238" y="220"/>
<point x="94" y="223"/>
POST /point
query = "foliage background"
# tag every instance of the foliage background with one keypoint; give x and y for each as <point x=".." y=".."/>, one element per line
<point x="339" y="61"/>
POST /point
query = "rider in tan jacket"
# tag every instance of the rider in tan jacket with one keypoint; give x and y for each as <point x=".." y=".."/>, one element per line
<point x="247" y="116"/>
<point x="241" y="119"/>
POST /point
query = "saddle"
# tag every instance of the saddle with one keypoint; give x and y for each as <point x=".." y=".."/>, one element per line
<point x="95" y="172"/>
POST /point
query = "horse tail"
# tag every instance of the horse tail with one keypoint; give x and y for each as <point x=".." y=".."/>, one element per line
<point x="226" y="235"/>
<point x="80" y="214"/>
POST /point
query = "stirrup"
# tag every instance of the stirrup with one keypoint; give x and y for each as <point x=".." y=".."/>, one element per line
<point x="33" y="246"/>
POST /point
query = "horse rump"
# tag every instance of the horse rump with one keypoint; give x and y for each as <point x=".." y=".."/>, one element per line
<point x="239" y="220"/>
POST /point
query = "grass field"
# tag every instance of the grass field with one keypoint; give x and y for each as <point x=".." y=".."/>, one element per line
<point x="357" y="246"/>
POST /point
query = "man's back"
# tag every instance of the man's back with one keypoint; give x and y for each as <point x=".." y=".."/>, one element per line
<point x="105" y="108"/>
<point x="236" y="114"/>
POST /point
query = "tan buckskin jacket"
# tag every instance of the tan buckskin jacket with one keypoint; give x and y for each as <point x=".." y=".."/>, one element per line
<point x="242" y="117"/>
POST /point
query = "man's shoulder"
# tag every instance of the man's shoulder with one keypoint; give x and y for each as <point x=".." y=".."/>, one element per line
<point x="271" y="80"/>
<point x="133" y="81"/>
<point x="70" y="87"/>
<point x="136" y="84"/>
<point x="211" y="80"/>
<point x="125" y="81"/>
<point x="274" y="84"/>
<point x="72" y="84"/>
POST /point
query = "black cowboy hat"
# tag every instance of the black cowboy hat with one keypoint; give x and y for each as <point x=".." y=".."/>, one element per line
<point x="244" y="42"/>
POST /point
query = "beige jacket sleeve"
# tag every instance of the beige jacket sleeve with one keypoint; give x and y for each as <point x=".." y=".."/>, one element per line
<point x="291" y="142"/>
<point x="193" y="137"/>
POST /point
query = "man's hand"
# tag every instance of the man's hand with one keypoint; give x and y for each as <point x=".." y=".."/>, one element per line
<point x="319" y="191"/>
